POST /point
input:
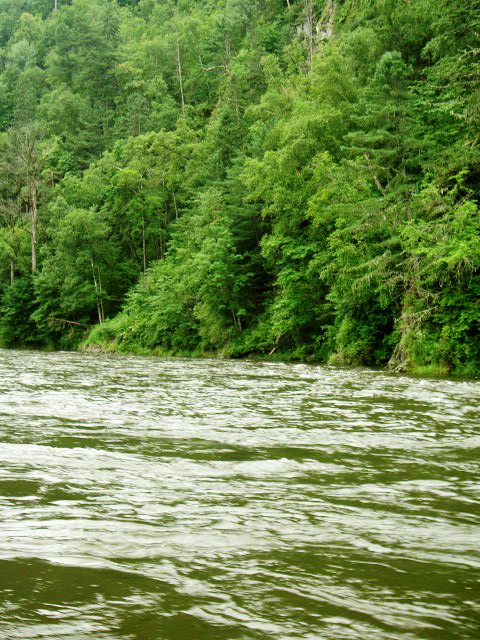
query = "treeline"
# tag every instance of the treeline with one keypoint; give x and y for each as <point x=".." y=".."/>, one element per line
<point x="295" y="177"/>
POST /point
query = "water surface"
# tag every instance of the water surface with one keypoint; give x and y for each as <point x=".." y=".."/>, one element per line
<point x="169" y="499"/>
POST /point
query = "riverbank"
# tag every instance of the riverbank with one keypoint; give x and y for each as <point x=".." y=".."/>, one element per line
<point x="105" y="339"/>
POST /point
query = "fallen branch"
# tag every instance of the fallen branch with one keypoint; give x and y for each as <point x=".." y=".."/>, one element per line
<point x="64" y="321"/>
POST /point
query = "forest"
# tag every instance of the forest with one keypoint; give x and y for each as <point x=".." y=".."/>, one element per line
<point x="290" y="179"/>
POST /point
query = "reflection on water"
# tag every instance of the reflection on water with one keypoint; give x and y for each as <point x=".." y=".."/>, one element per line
<point x="199" y="500"/>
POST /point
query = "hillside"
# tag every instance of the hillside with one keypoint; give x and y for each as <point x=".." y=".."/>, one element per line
<point x="298" y="179"/>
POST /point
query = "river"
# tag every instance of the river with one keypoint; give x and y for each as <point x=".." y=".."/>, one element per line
<point x="183" y="499"/>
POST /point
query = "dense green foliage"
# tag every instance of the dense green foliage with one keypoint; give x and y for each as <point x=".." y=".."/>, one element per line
<point x="243" y="176"/>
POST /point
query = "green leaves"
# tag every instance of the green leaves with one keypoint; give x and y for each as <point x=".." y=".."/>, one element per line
<point x="244" y="176"/>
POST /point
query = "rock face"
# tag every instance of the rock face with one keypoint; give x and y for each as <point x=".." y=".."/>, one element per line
<point x="324" y="27"/>
<point x="321" y="30"/>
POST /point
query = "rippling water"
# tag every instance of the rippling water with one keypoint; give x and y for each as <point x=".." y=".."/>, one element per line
<point x="178" y="499"/>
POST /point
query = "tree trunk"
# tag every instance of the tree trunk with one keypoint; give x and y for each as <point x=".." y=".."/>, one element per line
<point x="34" y="217"/>
<point x="179" y="71"/>
<point x="175" y="205"/>
<point x="228" y="67"/>
<point x="98" y="294"/>
<point x="162" y="249"/>
<point x="144" y="246"/>
<point x="102" y="312"/>
<point x="237" y="322"/>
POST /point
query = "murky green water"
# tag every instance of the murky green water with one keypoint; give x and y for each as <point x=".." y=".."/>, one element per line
<point x="202" y="500"/>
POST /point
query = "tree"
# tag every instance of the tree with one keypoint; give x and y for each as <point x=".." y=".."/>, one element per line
<point x="22" y="153"/>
